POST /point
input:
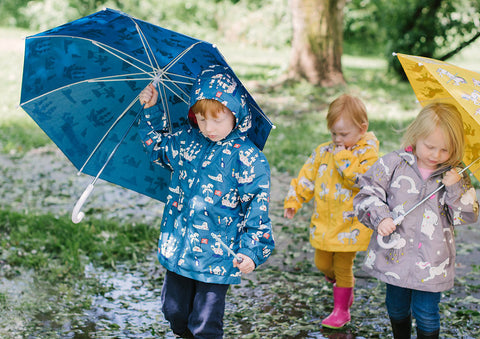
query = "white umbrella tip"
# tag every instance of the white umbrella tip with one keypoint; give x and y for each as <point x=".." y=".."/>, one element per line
<point x="394" y="54"/>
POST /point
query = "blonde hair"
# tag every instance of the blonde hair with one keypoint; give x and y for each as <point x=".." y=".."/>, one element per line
<point x="449" y="119"/>
<point x="347" y="106"/>
<point x="214" y="106"/>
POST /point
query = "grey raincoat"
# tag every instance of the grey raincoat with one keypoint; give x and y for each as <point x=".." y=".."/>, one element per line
<point x="424" y="255"/>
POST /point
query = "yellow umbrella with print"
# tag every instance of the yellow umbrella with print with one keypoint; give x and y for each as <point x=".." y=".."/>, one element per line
<point x="438" y="81"/>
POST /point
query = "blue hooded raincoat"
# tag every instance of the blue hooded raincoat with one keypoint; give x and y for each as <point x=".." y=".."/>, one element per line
<point x="217" y="188"/>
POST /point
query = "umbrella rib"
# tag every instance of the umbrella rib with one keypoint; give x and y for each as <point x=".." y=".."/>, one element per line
<point x="435" y="99"/>
<point x="81" y="82"/>
<point x="163" y="96"/>
<point x="106" y="134"/>
<point x="178" y="57"/>
<point x="105" y="47"/>
<point x="121" y="77"/>
<point x="152" y="58"/>
<point x="145" y="44"/>
<point x="164" y="85"/>
<point x="264" y="115"/>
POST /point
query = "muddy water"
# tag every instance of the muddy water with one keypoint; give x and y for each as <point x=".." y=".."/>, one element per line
<point x="131" y="307"/>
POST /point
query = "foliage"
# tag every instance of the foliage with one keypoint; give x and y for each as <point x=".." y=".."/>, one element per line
<point x="432" y="28"/>
<point x="363" y="33"/>
<point x="214" y="20"/>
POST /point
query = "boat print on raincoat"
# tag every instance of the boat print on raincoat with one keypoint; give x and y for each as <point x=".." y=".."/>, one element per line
<point x="220" y="188"/>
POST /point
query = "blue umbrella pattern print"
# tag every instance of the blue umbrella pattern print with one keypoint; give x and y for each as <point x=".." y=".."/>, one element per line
<point x="81" y="83"/>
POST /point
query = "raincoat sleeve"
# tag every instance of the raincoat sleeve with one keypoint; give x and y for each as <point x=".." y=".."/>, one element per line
<point x="302" y="188"/>
<point x="257" y="239"/>
<point x="153" y="132"/>
<point x="461" y="202"/>
<point x="351" y="164"/>
<point x="370" y="203"/>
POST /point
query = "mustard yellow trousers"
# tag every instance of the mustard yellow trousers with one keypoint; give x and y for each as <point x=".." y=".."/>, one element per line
<point x="336" y="266"/>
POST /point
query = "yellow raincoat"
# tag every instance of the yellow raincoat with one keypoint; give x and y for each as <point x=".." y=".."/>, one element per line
<point x="331" y="180"/>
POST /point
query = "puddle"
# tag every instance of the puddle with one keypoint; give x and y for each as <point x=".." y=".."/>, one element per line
<point x="131" y="307"/>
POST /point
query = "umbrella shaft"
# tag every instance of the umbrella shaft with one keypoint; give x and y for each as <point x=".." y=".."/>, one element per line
<point x="438" y="189"/>
<point x="106" y="134"/>
<point x="115" y="148"/>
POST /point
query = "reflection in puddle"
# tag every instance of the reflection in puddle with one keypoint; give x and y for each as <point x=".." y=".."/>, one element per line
<point x="131" y="307"/>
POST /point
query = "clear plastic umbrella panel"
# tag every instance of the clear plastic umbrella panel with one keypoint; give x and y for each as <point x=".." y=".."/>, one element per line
<point x="81" y="83"/>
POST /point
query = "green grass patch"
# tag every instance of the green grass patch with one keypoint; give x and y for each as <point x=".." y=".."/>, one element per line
<point x="20" y="136"/>
<point x="58" y="248"/>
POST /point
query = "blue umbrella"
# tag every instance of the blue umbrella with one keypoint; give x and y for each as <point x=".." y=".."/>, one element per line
<point x="81" y="83"/>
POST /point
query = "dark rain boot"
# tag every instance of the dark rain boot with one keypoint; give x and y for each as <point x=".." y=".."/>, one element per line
<point x="187" y="334"/>
<point x="427" y="335"/>
<point x="402" y="329"/>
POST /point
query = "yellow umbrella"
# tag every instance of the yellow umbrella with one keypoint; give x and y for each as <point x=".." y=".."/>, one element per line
<point x="438" y="81"/>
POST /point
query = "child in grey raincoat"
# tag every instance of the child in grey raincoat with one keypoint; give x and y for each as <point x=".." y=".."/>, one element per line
<point x="418" y="262"/>
<point x="220" y="188"/>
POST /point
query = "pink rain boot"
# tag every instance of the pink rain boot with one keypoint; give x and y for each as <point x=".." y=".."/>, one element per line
<point x="352" y="298"/>
<point x="342" y="297"/>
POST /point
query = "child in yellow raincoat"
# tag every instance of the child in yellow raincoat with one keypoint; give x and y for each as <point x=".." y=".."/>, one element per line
<point x="330" y="176"/>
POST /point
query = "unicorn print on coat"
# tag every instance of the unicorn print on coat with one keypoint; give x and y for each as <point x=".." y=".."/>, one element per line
<point x="394" y="185"/>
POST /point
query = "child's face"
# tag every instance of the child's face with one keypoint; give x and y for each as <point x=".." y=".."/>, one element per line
<point x="345" y="133"/>
<point x="216" y="126"/>
<point x="432" y="151"/>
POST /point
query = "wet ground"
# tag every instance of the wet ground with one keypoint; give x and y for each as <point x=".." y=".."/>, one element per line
<point x="286" y="298"/>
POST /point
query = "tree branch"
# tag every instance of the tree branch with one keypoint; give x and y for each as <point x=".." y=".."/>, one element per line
<point x="459" y="48"/>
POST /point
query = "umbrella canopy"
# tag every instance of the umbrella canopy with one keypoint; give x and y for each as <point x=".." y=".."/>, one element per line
<point x="437" y="81"/>
<point x="81" y="83"/>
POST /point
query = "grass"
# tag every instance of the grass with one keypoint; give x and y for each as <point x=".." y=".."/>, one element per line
<point x="57" y="249"/>
<point x="18" y="133"/>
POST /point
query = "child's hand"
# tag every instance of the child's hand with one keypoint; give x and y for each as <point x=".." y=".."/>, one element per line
<point x="148" y="96"/>
<point x="338" y="148"/>
<point x="451" y="177"/>
<point x="386" y="226"/>
<point x="246" y="266"/>
<point x="289" y="213"/>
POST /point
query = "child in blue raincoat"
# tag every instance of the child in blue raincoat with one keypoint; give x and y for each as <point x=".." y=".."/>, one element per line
<point x="220" y="187"/>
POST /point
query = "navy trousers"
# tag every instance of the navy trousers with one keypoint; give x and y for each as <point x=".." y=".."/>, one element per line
<point x="193" y="306"/>
<point x="424" y="306"/>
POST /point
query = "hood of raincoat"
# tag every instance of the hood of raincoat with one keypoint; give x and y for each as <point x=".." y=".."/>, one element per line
<point x="220" y="83"/>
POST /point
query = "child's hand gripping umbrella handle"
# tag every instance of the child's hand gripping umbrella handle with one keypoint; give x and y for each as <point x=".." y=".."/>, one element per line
<point x="394" y="237"/>
<point x="396" y="241"/>
<point x="229" y="250"/>
<point x="77" y="215"/>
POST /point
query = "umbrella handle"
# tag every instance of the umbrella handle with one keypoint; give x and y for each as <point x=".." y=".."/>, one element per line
<point x="77" y="216"/>
<point x="386" y="245"/>
<point x="393" y="242"/>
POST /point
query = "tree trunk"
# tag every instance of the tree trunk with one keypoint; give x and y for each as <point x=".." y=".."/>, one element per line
<point x="317" y="41"/>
